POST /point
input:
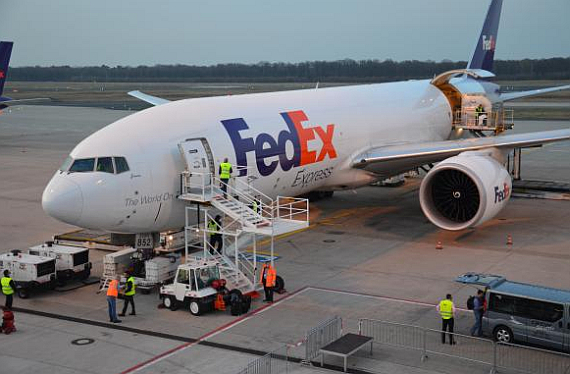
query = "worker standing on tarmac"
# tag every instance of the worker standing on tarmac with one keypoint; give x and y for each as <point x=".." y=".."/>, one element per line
<point x="447" y="311"/>
<point x="129" y="296"/>
<point x="478" y="310"/>
<point x="8" y="288"/>
<point x="225" y="172"/>
<point x="267" y="279"/>
<point x="112" y="294"/>
<point x="216" y="239"/>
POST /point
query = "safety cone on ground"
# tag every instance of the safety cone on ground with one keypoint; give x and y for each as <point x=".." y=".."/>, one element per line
<point x="509" y="240"/>
<point x="438" y="245"/>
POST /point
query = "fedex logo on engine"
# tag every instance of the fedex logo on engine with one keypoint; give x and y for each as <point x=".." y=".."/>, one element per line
<point x="501" y="195"/>
<point x="271" y="152"/>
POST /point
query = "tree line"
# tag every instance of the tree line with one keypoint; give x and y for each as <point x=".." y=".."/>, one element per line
<point x="328" y="71"/>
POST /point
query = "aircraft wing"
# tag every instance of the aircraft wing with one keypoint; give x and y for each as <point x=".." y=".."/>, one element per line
<point x="24" y="101"/>
<point x="148" y="98"/>
<point x="395" y="159"/>
<point x="517" y="95"/>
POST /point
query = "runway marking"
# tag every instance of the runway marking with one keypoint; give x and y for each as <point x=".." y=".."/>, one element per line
<point x="203" y="338"/>
<point x="380" y="297"/>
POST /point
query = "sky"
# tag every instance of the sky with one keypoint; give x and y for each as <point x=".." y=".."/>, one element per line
<point x="205" y="32"/>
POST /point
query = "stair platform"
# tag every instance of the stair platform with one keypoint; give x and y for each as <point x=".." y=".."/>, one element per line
<point x="279" y="227"/>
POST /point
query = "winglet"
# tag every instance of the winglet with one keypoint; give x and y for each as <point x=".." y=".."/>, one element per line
<point x="484" y="52"/>
<point x="148" y="98"/>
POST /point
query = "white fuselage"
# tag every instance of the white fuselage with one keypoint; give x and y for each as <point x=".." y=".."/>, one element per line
<point x="314" y="156"/>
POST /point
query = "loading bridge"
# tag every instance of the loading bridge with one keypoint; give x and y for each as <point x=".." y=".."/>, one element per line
<point x="495" y="120"/>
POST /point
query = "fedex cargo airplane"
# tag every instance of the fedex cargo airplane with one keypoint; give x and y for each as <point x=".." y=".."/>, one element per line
<point x="125" y="178"/>
<point x="5" y="53"/>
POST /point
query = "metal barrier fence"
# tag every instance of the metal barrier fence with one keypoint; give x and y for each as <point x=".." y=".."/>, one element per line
<point x="530" y="359"/>
<point x="319" y="336"/>
<point x="476" y="350"/>
<point x="468" y="348"/>
<point x="394" y="334"/>
<point x="275" y="362"/>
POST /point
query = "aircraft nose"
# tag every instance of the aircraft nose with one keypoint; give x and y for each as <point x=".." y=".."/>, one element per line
<point x="62" y="199"/>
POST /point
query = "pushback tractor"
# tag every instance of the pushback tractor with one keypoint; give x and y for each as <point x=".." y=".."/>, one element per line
<point x="29" y="272"/>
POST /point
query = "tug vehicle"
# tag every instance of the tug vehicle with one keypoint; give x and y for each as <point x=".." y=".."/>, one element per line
<point x="198" y="287"/>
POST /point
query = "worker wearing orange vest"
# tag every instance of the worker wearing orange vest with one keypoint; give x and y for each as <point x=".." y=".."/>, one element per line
<point x="112" y="295"/>
<point x="446" y="310"/>
<point x="267" y="279"/>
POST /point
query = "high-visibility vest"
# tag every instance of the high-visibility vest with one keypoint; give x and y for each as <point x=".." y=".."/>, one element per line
<point x="268" y="276"/>
<point x="6" y="288"/>
<point x="113" y="289"/>
<point x="212" y="227"/>
<point x="225" y="170"/>
<point x="446" y="309"/>
<point x="132" y="291"/>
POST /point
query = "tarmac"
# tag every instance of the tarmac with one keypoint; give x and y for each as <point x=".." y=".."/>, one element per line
<point x="368" y="253"/>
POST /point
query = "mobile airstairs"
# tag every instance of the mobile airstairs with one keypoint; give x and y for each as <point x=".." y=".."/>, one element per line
<point x="248" y="215"/>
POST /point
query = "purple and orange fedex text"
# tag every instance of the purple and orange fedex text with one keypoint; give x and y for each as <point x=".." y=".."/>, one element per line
<point x="270" y="152"/>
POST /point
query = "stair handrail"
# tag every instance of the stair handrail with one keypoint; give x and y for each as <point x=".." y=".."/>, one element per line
<point x="243" y="265"/>
<point x="226" y="262"/>
<point x="244" y="199"/>
<point x="187" y="185"/>
<point x="294" y="211"/>
<point x="248" y="265"/>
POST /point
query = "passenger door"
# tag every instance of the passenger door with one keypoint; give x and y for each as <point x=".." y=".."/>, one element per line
<point x="503" y="311"/>
<point x="199" y="162"/>
<point x="545" y="322"/>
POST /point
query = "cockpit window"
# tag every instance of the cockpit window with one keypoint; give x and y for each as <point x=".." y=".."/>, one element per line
<point x="105" y="165"/>
<point x="82" y="165"/>
<point x="121" y="165"/>
<point x="66" y="164"/>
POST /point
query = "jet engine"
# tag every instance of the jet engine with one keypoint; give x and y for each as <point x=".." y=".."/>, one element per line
<point x="465" y="190"/>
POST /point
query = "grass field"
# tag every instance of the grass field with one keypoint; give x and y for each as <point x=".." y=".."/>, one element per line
<point x="114" y="94"/>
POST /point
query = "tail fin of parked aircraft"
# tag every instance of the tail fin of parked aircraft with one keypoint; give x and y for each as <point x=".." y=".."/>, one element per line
<point x="484" y="52"/>
<point x="5" y="52"/>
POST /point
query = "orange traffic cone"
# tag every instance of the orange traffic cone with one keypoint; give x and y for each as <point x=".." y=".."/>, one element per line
<point x="438" y="245"/>
<point x="219" y="303"/>
<point x="509" y="240"/>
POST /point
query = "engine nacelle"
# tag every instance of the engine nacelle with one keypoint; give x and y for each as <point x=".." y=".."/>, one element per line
<point x="465" y="190"/>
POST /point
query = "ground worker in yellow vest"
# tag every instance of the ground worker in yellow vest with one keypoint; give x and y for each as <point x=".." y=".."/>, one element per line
<point x="129" y="296"/>
<point x="481" y="115"/>
<point x="267" y="279"/>
<point x="8" y="288"/>
<point x="112" y="295"/>
<point x="214" y="232"/>
<point x="225" y="172"/>
<point x="447" y="311"/>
